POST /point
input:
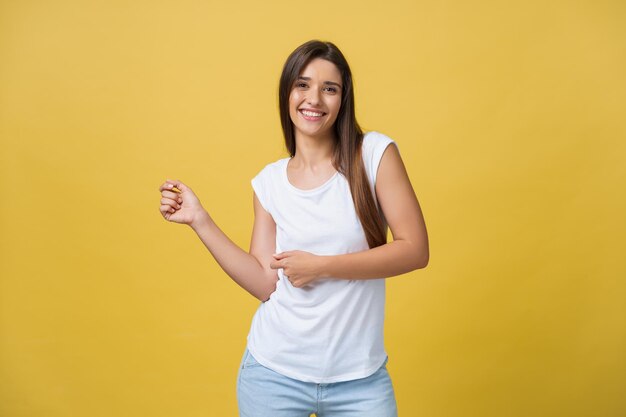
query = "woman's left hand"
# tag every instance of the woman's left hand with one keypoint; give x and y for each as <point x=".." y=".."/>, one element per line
<point x="300" y="267"/>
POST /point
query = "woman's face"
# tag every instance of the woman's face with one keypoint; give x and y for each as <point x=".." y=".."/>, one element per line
<point x="315" y="98"/>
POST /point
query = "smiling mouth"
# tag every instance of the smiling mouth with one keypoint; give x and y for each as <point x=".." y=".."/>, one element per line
<point x="311" y="115"/>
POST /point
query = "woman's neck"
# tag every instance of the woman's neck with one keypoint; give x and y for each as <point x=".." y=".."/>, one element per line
<point x="313" y="151"/>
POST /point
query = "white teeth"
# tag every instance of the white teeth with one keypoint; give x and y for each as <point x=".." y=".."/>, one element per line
<point x="311" y="114"/>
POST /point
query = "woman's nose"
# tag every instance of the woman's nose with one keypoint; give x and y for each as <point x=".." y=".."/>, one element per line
<point x="313" y="97"/>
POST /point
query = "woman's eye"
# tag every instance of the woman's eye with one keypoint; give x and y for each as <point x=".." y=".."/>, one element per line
<point x="331" y="89"/>
<point x="301" y="85"/>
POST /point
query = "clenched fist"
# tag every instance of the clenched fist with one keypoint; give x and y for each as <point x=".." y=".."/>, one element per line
<point x="179" y="204"/>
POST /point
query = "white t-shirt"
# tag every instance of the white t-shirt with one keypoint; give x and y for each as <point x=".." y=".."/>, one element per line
<point x="332" y="329"/>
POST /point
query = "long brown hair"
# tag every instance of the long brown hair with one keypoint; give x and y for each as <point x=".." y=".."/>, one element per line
<point x="347" y="158"/>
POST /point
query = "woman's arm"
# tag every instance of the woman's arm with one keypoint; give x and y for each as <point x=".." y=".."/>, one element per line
<point x="179" y="204"/>
<point x="409" y="249"/>
<point x="244" y="268"/>
<point x="407" y="252"/>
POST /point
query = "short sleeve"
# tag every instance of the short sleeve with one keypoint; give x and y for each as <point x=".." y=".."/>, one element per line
<point x="374" y="145"/>
<point x="260" y="187"/>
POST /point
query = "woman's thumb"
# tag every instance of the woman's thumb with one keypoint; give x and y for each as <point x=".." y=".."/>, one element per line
<point x="178" y="184"/>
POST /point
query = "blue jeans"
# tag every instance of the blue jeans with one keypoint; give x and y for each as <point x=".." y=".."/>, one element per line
<point x="262" y="392"/>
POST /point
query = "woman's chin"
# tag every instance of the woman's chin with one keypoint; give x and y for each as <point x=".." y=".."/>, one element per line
<point x="312" y="132"/>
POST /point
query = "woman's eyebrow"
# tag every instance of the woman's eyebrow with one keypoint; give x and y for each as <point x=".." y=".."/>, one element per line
<point x="325" y="82"/>
<point x="332" y="83"/>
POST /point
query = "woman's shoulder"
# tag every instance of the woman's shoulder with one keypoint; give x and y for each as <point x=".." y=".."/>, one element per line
<point x="272" y="168"/>
<point x="374" y="145"/>
<point x="374" y="142"/>
<point x="373" y="136"/>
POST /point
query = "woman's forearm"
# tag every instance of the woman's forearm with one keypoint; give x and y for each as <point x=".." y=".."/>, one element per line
<point x="241" y="266"/>
<point x="394" y="258"/>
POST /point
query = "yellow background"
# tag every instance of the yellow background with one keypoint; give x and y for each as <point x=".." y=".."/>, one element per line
<point x="509" y="117"/>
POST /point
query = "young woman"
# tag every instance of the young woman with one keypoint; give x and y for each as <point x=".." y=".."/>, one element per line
<point x="319" y="254"/>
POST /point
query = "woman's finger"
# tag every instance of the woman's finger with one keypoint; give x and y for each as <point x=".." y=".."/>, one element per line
<point x="174" y="196"/>
<point x="167" y="209"/>
<point x="171" y="186"/>
<point x="177" y="184"/>
<point x="170" y="202"/>
<point x="166" y="186"/>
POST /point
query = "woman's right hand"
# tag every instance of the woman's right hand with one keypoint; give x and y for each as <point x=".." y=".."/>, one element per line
<point x="179" y="204"/>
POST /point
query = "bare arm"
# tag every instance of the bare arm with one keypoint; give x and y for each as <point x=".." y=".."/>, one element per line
<point x="409" y="249"/>
<point x="244" y="268"/>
